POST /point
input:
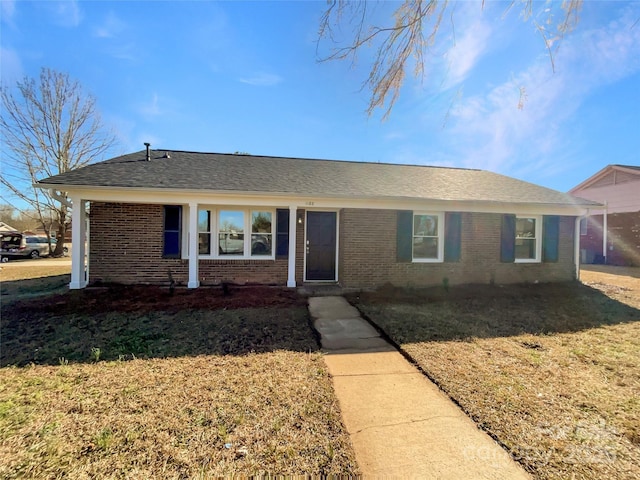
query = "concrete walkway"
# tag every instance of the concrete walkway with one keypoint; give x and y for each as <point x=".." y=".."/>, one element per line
<point x="400" y="423"/>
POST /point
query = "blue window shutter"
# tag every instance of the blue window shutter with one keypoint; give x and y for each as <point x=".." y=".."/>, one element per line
<point x="452" y="236"/>
<point x="550" y="238"/>
<point x="508" y="239"/>
<point x="282" y="233"/>
<point x="404" y="251"/>
<point x="172" y="231"/>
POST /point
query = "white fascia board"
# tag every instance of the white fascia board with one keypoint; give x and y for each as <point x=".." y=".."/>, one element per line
<point x="183" y="197"/>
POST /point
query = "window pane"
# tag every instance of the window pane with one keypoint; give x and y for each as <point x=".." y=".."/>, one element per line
<point x="425" y="247"/>
<point x="204" y="221"/>
<point x="526" y="248"/>
<point x="425" y="225"/>
<point x="260" y="244"/>
<point x="204" y="243"/>
<point x="231" y="222"/>
<point x="231" y="243"/>
<point x="260" y="222"/>
<point x="525" y="228"/>
<point x="231" y="233"/>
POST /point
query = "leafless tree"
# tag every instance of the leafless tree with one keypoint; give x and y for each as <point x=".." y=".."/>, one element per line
<point x="49" y="126"/>
<point x="413" y="31"/>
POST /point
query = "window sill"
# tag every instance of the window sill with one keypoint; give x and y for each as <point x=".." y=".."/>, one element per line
<point x="230" y="257"/>
<point x="427" y="260"/>
<point x="527" y="260"/>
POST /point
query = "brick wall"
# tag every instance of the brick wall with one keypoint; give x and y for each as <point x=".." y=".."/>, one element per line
<point x="126" y="243"/>
<point x="127" y="240"/>
<point x="623" y="239"/>
<point x="368" y="254"/>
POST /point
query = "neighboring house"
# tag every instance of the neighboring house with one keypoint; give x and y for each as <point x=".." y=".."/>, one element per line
<point x="612" y="235"/>
<point x="4" y="227"/>
<point x="206" y="218"/>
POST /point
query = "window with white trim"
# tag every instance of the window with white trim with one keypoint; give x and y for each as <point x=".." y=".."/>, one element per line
<point x="231" y="232"/>
<point x="204" y="232"/>
<point x="235" y="233"/>
<point x="528" y="244"/>
<point x="427" y="241"/>
<point x="261" y="233"/>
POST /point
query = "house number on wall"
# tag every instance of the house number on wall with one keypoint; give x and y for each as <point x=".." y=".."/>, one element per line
<point x="309" y="204"/>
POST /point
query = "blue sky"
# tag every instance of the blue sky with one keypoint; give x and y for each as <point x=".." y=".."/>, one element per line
<point x="244" y="76"/>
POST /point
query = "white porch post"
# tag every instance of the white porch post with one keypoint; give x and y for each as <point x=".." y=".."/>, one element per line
<point x="78" y="250"/>
<point x="194" y="281"/>
<point x="293" y="224"/>
<point x="576" y="246"/>
<point x="605" y="233"/>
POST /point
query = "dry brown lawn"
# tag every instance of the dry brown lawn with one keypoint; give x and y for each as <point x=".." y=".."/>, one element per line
<point x="552" y="372"/>
<point x="137" y="383"/>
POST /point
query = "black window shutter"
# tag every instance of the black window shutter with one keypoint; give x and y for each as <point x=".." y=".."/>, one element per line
<point x="282" y="233"/>
<point x="172" y="231"/>
<point x="550" y="238"/>
<point x="508" y="239"/>
<point x="404" y="252"/>
<point x="452" y="236"/>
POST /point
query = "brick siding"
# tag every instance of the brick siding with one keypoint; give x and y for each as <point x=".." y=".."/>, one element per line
<point x="368" y="254"/>
<point x="126" y="242"/>
<point x="623" y="239"/>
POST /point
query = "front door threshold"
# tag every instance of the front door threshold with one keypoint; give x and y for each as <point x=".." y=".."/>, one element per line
<point x="321" y="289"/>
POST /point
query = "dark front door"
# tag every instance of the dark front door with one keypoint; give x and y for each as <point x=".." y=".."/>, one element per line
<point x="321" y="246"/>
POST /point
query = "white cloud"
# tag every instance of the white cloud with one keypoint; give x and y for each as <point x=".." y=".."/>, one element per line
<point x="466" y="52"/>
<point x="7" y="10"/>
<point x="489" y="131"/>
<point x="66" y="13"/>
<point x="151" y="108"/>
<point x="262" y="79"/>
<point x="111" y="27"/>
<point x="12" y="70"/>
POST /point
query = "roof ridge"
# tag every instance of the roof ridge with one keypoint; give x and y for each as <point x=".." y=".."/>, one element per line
<point x="369" y="162"/>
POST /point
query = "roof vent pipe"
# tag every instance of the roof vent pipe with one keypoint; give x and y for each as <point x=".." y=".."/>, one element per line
<point x="148" y="152"/>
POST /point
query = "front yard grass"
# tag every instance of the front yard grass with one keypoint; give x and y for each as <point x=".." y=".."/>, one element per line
<point x="133" y="383"/>
<point x="550" y="371"/>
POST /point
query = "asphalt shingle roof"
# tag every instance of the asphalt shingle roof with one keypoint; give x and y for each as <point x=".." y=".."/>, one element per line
<point x="306" y="177"/>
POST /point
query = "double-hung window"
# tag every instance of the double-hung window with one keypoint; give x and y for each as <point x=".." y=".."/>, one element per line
<point x="427" y="241"/>
<point x="236" y="233"/>
<point x="231" y="226"/>
<point x="204" y="232"/>
<point x="528" y="241"/>
<point x="261" y="233"/>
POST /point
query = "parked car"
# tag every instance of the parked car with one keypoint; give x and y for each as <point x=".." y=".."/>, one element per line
<point x="19" y="245"/>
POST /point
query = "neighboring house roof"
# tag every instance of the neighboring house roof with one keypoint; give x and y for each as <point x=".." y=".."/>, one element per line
<point x="610" y="175"/>
<point x="227" y="173"/>
<point x="617" y="186"/>
<point x="4" y="227"/>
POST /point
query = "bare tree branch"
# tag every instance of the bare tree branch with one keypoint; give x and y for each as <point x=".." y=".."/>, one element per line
<point x="416" y="24"/>
<point x="49" y="126"/>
